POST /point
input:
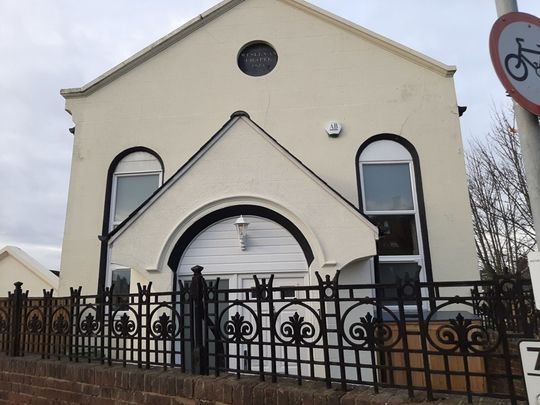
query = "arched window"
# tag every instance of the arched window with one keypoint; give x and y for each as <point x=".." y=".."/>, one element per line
<point x="135" y="177"/>
<point x="388" y="196"/>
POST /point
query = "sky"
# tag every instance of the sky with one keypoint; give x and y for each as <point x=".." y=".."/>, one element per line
<point x="47" y="45"/>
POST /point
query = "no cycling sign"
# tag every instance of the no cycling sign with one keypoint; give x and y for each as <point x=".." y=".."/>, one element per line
<point x="514" y="45"/>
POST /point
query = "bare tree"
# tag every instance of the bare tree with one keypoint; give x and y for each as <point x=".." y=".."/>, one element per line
<point x="501" y="210"/>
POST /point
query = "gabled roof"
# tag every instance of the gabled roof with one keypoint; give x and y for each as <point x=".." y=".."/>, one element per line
<point x="30" y="263"/>
<point x="235" y="117"/>
<point x="221" y="8"/>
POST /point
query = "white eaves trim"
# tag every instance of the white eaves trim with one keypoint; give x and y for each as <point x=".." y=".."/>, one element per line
<point x="152" y="49"/>
<point x="221" y="8"/>
<point x="30" y="263"/>
<point x="269" y="139"/>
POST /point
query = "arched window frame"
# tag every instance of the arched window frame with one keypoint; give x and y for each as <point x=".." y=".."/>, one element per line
<point x="123" y="173"/>
<point x="423" y="258"/>
<point x="107" y="226"/>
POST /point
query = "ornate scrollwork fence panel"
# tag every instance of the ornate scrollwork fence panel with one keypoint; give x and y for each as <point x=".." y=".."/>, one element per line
<point x="443" y="337"/>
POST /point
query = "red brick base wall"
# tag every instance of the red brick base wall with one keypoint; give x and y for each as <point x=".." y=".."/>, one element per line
<point x="30" y="380"/>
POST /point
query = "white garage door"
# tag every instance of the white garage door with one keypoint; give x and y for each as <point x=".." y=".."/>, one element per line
<point x="270" y="248"/>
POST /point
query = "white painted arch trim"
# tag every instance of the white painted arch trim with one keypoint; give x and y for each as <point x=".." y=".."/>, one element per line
<point x="320" y="258"/>
<point x="270" y="249"/>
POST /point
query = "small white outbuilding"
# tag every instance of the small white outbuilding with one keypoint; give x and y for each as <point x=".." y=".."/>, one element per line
<point x="17" y="265"/>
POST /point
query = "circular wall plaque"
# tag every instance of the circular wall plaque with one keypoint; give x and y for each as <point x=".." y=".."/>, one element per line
<point x="257" y="59"/>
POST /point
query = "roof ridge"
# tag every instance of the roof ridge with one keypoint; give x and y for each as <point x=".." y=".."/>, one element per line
<point x="202" y="19"/>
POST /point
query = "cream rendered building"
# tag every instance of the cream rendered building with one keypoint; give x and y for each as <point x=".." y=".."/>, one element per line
<point x="227" y="117"/>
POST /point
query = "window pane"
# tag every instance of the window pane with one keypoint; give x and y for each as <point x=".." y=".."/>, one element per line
<point x="397" y="234"/>
<point x="120" y="280"/>
<point x="387" y="187"/>
<point x="132" y="191"/>
<point x="388" y="272"/>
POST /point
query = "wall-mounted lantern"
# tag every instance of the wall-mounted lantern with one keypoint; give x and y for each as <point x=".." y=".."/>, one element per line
<point x="241" y="227"/>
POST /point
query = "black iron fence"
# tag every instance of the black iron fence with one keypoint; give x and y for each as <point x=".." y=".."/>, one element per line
<point x="444" y="337"/>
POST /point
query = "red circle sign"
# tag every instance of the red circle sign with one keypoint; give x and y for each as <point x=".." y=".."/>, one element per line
<point x="514" y="45"/>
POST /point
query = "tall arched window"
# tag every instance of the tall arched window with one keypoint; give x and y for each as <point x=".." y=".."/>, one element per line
<point x="135" y="177"/>
<point x="388" y="196"/>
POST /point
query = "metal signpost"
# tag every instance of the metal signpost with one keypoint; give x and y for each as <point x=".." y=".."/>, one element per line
<point x="515" y="52"/>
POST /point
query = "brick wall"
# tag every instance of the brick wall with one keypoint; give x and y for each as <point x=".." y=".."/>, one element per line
<point x="30" y="380"/>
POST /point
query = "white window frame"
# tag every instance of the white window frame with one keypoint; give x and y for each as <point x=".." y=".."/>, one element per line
<point x="145" y="164"/>
<point x="112" y="223"/>
<point x="419" y="258"/>
<point x="386" y="151"/>
<point x="118" y="268"/>
<point x="108" y="282"/>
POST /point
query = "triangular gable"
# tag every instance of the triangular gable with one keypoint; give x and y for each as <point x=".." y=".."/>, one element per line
<point x="30" y="263"/>
<point x="235" y="117"/>
<point x="223" y="7"/>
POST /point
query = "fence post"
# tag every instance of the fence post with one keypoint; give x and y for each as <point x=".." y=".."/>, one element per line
<point x="524" y="310"/>
<point x="424" y="332"/>
<point x="47" y="324"/>
<point x="16" y="320"/>
<point x="403" y="287"/>
<point x="199" y="353"/>
<point x="504" y="311"/>
<point x="327" y="291"/>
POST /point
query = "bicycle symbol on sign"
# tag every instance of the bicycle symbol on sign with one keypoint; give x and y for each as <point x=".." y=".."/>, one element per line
<point x="516" y="64"/>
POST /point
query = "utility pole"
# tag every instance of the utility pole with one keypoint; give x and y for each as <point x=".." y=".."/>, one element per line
<point x="505" y="7"/>
<point x="529" y="135"/>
